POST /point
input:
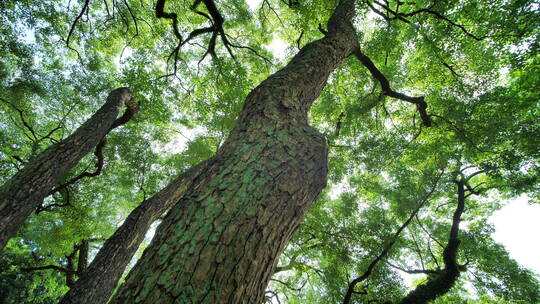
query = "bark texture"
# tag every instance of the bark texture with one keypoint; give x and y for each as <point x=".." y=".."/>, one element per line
<point x="26" y="190"/>
<point x="97" y="282"/>
<point x="220" y="243"/>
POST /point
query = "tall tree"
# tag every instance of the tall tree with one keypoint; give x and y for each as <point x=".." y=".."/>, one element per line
<point x="234" y="214"/>
<point x="219" y="244"/>
<point x="25" y="191"/>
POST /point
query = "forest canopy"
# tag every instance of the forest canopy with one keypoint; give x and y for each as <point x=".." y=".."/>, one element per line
<point x="361" y="166"/>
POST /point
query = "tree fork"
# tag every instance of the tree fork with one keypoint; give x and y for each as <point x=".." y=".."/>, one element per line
<point x="25" y="191"/>
<point x="97" y="282"/>
<point x="220" y="242"/>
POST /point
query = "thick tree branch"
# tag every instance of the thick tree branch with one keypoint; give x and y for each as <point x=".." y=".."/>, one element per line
<point x="82" y="263"/>
<point x="216" y="20"/>
<point x="97" y="281"/>
<point x="421" y="105"/>
<point x="132" y="107"/>
<point x="25" y="191"/>
<point x="160" y="13"/>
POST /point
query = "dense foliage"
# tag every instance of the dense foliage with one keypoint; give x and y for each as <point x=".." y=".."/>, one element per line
<point x="393" y="181"/>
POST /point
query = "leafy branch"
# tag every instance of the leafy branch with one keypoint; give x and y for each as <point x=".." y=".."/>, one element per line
<point x="80" y="251"/>
<point x="74" y="23"/>
<point x="35" y="137"/>
<point x="442" y="280"/>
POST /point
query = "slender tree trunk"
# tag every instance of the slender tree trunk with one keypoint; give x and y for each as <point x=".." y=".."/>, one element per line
<point x="220" y="242"/>
<point x="440" y="283"/>
<point x="70" y="267"/>
<point x="83" y="256"/>
<point x="350" y="288"/>
<point x="26" y="190"/>
<point x="97" y="283"/>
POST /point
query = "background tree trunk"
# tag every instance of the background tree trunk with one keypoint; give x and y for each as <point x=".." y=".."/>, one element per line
<point x="220" y="243"/>
<point x="442" y="281"/>
<point x="27" y="189"/>
<point x="97" y="283"/>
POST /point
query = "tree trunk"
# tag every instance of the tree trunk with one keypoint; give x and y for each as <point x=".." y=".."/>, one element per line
<point x="220" y="242"/>
<point x="83" y="256"/>
<point x="441" y="282"/>
<point x="97" y="283"/>
<point x="26" y="190"/>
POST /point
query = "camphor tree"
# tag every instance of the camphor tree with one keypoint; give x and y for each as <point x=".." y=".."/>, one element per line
<point x="396" y="102"/>
<point x="26" y="190"/>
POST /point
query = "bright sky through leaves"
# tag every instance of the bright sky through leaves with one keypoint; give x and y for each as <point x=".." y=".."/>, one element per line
<point x="517" y="226"/>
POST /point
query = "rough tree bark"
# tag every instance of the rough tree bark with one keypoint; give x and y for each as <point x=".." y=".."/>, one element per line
<point x="97" y="283"/>
<point x="26" y="190"/>
<point x="220" y="242"/>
